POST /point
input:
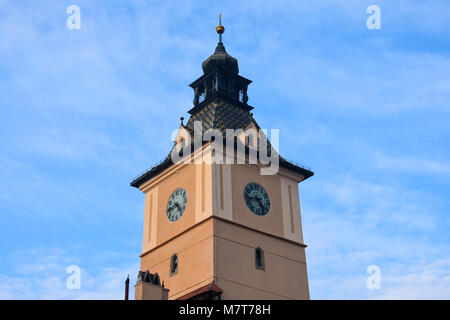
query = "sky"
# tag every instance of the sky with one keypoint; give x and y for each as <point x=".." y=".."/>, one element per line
<point x="84" y="111"/>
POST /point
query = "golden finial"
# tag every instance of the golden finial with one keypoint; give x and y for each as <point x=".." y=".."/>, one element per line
<point x="220" y="28"/>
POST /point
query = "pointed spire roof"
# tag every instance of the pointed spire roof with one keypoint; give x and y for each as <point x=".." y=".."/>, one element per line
<point x="220" y="57"/>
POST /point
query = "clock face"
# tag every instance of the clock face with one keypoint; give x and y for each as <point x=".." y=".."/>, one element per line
<point x="177" y="204"/>
<point x="257" y="199"/>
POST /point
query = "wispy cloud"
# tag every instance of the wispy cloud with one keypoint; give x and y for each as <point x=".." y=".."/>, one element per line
<point x="417" y="281"/>
<point x="411" y="164"/>
<point x="373" y="224"/>
<point x="85" y="111"/>
<point x="41" y="273"/>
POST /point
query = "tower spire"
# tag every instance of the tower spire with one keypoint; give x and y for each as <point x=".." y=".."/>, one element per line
<point x="220" y="28"/>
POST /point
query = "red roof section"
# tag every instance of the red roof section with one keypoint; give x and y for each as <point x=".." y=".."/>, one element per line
<point x="209" y="287"/>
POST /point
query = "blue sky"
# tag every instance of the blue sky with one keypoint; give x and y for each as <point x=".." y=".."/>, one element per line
<point x="84" y="111"/>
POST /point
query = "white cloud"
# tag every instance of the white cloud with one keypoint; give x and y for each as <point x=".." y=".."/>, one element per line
<point x="377" y="202"/>
<point x="423" y="281"/>
<point x="417" y="281"/>
<point x="410" y="164"/>
<point x="41" y="274"/>
<point x="350" y="224"/>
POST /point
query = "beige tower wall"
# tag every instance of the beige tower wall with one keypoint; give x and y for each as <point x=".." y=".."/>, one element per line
<point x="284" y="217"/>
<point x="190" y="237"/>
<point x="216" y="237"/>
<point x="194" y="249"/>
<point x="148" y="291"/>
<point x="196" y="179"/>
<point x="272" y="223"/>
<point x="284" y="277"/>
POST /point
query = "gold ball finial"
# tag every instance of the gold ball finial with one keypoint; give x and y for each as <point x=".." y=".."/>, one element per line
<point x="220" y="28"/>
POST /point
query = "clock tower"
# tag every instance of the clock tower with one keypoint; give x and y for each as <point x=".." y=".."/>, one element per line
<point x="216" y="225"/>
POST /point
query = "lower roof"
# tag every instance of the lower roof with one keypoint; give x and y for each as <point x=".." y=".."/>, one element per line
<point x="211" y="287"/>
<point x="167" y="162"/>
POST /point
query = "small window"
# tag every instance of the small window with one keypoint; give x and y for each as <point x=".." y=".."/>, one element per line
<point x="182" y="143"/>
<point x="259" y="259"/>
<point x="174" y="265"/>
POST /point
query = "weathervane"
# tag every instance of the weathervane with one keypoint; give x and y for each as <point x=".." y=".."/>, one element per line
<point x="220" y="28"/>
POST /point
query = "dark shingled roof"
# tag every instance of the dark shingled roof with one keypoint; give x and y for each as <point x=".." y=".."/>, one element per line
<point x="220" y="58"/>
<point x="221" y="109"/>
<point x="146" y="276"/>
<point x="220" y="115"/>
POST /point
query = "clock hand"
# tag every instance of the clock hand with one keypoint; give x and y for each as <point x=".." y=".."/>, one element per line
<point x="258" y="200"/>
